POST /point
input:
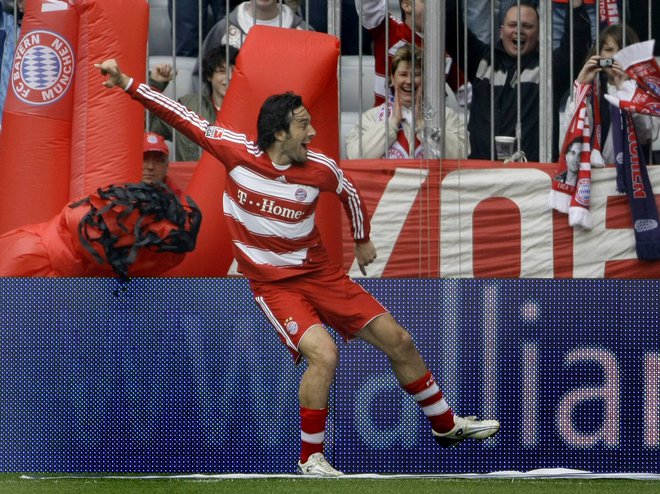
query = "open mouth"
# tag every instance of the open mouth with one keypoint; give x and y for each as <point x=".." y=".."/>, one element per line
<point x="519" y="43"/>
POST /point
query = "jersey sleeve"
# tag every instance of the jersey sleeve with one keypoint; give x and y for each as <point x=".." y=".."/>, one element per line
<point x="194" y="127"/>
<point x="351" y="199"/>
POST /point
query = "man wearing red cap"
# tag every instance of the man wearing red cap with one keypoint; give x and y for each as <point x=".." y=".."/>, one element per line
<point x="155" y="162"/>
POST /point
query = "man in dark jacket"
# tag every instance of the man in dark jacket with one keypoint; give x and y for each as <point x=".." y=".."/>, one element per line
<point x="506" y="78"/>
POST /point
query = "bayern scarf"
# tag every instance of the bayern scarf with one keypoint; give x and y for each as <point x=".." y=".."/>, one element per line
<point x="640" y="93"/>
<point x="633" y="179"/>
<point x="571" y="184"/>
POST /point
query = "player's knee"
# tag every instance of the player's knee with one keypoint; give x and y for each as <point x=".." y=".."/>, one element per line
<point x="403" y="345"/>
<point x="324" y="356"/>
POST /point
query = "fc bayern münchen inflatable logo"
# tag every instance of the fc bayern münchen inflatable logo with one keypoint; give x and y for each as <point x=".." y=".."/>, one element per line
<point x="43" y="68"/>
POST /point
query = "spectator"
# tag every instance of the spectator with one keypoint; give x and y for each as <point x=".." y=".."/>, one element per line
<point x="608" y="79"/>
<point x="156" y="161"/>
<point x="479" y="18"/>
<point x="9" y="32"/>
<point x="399" y="111"/>
<point x="350" y="25"/>
<point x="560" y="20"/>
<point x="505" y="68"/>
<point x="187" y="22"/>
<point x="400" y="31"/>
<point x="137" y="229"/>
<point x="242" y="18"/>
<point x="270" y="198"/>
<point x="215" y="77"/>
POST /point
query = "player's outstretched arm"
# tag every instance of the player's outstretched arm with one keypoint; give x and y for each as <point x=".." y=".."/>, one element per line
<point x="111" y="69"/>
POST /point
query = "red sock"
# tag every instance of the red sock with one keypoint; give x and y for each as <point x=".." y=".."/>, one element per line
<point x="428" y="395"/>
<point x="312" y="431"/>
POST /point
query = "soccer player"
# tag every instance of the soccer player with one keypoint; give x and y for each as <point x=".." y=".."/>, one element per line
<point x="271" y="192"/>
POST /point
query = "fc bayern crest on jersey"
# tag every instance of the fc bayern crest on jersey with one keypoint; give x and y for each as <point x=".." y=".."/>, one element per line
<point x="43" y="68"/>
<point x="301" y="194"/>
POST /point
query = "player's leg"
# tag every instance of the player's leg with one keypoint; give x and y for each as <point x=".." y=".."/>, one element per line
<point x="410" y="370"/>
<point x="319" y="350"/>
<point x="299" y="328"/>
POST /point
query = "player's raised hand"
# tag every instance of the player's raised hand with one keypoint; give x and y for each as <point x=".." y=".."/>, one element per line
<point x="111" y="69"/>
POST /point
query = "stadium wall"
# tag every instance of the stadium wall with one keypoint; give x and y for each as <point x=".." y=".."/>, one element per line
<point x="185" y="375"/>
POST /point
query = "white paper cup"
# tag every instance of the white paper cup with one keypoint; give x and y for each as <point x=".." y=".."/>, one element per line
<point x="505" y="146"/>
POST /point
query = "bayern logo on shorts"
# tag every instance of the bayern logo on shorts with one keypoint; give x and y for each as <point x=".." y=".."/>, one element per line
<point x="43" y="68"/>
<point x="292" y="327"/>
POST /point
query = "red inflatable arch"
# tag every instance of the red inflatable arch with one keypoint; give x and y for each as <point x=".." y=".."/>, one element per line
<point x="107" y="127"/>
<point x="272" y="60"/>
<point x="35" y="142"/>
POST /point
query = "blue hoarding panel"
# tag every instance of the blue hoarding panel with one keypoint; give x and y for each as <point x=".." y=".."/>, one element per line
<point x="187" y="376"/>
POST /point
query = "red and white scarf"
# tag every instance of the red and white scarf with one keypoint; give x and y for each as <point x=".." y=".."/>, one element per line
<point x="571" y="185"/>
<point x="400" y="148"/>
<point x="640" y="93"/>
<point x="609" y="12"/>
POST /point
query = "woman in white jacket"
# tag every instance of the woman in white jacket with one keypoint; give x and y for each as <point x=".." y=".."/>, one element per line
<point x="398" y="136"/>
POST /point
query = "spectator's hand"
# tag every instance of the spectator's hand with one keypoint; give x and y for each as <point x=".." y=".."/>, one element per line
<point x="589" y="70"/>
<point x="617" y="74"/>
<point x="112" y="70"/>
<point x="365" y="253"/>
<point x="162" y="73"/>
<point x="397" y="111"/>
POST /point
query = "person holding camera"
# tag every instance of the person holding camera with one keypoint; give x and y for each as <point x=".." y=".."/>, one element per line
<point x="601" y="68"/>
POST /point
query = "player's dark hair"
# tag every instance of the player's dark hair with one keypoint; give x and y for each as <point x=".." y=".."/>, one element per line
<point x="217" y="57"/>
<point x="276" y="114"/>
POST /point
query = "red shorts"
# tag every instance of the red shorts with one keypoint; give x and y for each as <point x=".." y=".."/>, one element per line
<point x="330" y="297"/>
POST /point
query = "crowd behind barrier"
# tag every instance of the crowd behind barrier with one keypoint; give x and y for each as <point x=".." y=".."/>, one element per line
<point x="167" y="19"/>
<point x="360" y="57"/>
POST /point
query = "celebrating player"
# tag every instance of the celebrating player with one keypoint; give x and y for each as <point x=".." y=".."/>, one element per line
<point x="271" y="193"/>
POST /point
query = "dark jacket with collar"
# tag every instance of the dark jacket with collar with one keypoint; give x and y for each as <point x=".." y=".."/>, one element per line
<point x="506" y="81"/>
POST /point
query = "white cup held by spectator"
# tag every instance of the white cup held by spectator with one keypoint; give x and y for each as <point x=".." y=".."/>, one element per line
<point x="504" y="147"/>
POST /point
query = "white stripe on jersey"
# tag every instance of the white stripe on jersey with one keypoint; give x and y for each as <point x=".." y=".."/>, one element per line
<point x="269" y="187"/>
<point x="172" y="105"/>
<point x="353" y="199"/>
<point x="273" y="320"/>
<point x="354" y="206"/>
<point x="261" y="256"/>
<point x="324" y="160"/>
<point x="238" y="138"/>
<point x="265" y="226"/>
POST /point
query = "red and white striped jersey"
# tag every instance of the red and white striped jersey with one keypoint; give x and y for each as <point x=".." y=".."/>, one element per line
<point x="269" y="208"/>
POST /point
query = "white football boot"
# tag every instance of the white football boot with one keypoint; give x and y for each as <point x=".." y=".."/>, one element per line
<point x="317" y="466"/>
<point x="467" y="428"/>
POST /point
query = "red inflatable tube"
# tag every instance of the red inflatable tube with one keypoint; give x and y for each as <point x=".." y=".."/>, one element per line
<point x="272" y="60"/>
<point x="35" y="142"/>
